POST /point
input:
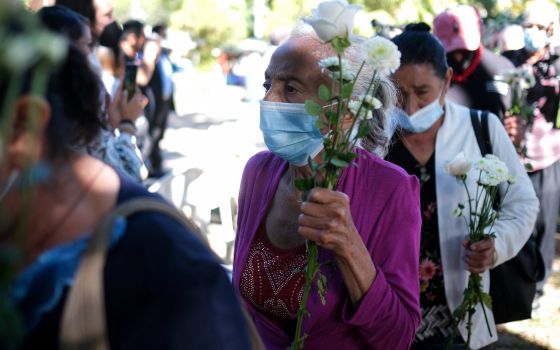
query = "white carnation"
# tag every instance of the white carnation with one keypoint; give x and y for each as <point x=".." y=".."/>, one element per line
<point x="382" y="54"/>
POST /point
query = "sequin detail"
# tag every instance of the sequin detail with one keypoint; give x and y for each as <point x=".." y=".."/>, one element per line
<point x="272" y="279"/>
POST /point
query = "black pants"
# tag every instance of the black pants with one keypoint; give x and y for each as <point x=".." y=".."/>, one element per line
<point x="157" y="127"/>
<point x="546" y="183"/>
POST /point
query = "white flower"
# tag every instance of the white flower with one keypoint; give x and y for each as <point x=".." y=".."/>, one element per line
<point x="347" y="76"/>
<point x="332" y="19"/>
<point x="457" y="212"/>
<point x="492" y="170"/>
<point x="331" y="63"/>
<point x="382" y="54"/>
<point x="373" y="102"/>
<point x="19" y="54"/>
<point x="459" y="166"/>
<point x="368" y="103"/>
<point x="52" y="47"/>
<point x="332" y="68"/>
<point x="365" y="112"/>
<point x="511" y="180"/>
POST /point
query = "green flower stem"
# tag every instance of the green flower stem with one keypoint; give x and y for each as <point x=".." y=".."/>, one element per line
<point x="325" y="175"/>
<point x="310" y="272"/>
<point x="12" y="93"/>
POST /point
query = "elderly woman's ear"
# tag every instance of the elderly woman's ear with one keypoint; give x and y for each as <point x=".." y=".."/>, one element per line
<point x="27" y="139"/>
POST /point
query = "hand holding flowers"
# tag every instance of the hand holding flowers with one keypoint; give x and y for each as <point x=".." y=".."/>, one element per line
<point x="343" y="113"/>
<point x="482" y="211"/>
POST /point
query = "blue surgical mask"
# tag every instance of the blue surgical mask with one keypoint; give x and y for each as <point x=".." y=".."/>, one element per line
<point x="290" y="132"/>
<point x="421" y="120"/>
<point x="535" y="39"/>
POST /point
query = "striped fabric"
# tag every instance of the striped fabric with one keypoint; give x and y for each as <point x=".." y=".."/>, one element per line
<point x="542" y="143"/>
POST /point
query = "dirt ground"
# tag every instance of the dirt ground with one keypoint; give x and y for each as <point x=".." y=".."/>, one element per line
<point x="543" y="330"/>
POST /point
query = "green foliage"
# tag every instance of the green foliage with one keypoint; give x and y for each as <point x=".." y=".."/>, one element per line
<point x="212" y="23"/>
<point x="312" y="107"/>
<point x="324" y="93"/>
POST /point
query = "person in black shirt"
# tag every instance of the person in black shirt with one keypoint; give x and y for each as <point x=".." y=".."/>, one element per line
<point x="474" y="67"/>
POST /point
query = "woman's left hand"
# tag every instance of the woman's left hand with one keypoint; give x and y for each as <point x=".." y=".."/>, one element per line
<point x="326" y="219"/>
<point x="479" y="256"/>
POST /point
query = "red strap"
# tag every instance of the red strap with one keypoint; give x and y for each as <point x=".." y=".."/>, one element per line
<point x="460" y="77"/>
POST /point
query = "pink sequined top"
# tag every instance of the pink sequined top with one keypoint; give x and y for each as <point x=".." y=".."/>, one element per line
<point x="272" y="280"/>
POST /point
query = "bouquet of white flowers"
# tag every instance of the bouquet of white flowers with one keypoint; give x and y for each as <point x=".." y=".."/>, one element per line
<point x="333" y="23"/>
<point x="483" y="211"/>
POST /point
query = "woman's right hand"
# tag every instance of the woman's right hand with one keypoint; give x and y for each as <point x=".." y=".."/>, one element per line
<point x="131" y="110"/>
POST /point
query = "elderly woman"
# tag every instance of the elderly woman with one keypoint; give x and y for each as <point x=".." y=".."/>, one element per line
<point x="430" y="133"/>
<point x="367" y="229"/>
<point x="163" y="288"/>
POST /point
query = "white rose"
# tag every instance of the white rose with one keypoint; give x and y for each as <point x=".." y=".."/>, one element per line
<point x="332" y="19"/>
<point x="459" y="166"/>
<point x="382" y="54"/>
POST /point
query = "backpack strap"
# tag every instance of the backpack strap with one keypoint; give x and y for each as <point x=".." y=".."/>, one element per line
<point x="480" y="126"/>
<point x="83" y="324"/>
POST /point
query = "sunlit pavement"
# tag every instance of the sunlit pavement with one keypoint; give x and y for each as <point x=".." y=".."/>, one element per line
<point x="214" y="131"/>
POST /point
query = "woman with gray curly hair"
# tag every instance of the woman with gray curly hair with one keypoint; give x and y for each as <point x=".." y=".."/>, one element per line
<point x="367" y="229"/>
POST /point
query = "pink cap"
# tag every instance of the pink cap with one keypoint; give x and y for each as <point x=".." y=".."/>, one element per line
<point x="458" y="28"/>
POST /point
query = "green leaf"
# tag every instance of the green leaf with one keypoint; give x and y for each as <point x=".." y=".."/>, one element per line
<point x="312" y="107"/>
<point x="486" y="300"/>
<point x="324" y="93"/>
<point x="363" y="130"/>
<point x="340" y="163"/>
<point x="304" y="184"/>
<point x="332" y="117"/>
<point x="346" y="90"/>
<point x="340" y="44"/>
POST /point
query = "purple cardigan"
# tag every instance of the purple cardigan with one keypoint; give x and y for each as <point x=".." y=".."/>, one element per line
<point x="385" y="206"/>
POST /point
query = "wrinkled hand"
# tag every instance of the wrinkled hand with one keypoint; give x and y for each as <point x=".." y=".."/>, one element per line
<point x="326" y="219"/>
<point x="479" y="256"/>
<point x="515" y="128"/>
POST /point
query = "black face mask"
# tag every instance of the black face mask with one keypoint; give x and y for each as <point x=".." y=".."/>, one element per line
<point x="460" y="66"/>
<point x="111" y="36"/>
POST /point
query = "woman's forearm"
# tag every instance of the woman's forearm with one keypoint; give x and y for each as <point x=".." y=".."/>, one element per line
<point x="358" y="272"/>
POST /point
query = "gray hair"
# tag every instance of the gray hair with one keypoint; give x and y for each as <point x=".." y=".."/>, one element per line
<point x="376" y="140"/>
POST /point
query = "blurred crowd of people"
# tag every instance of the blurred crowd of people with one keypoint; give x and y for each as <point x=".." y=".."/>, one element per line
<point x="137" y="75"/>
